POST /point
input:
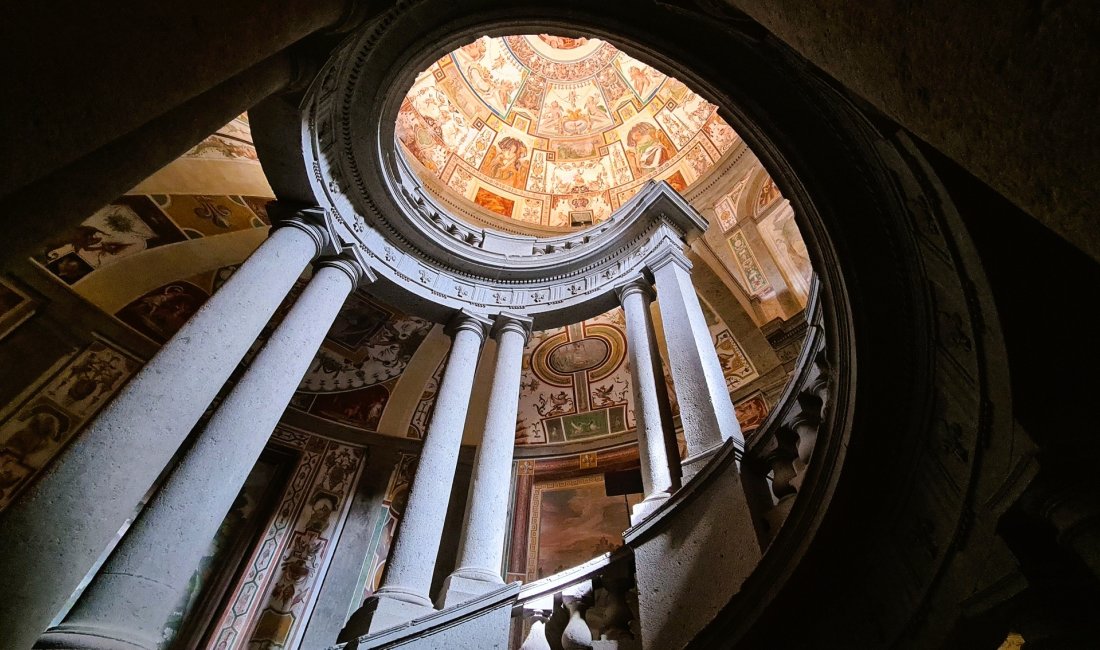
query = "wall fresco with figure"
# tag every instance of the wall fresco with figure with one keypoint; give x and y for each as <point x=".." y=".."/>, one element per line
<point x="576" y="380"/>
<point x="576" y="383"/>
<point x="540" y="130"/>
<point x="751" y="412"/>
<point x="133" y="224"/>
<point x="573" y="520"/>
<point x="783" y="240"/>
<point x="390" y="511"/>
<point x="37" y="426"/>
<point x="274" y="596"/>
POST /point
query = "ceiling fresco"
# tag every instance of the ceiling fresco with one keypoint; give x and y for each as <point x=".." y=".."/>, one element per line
<point x="360" y="361"/>
<point x="555" y="132"/>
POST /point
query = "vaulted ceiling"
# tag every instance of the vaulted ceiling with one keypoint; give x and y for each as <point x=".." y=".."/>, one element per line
<point x="555" y="132"/>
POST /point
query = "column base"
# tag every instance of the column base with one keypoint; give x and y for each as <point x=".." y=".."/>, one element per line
<point x="642" y="510"/>
<point x="88" y="638"/>
<point x="693" y="464"/>
<point x="464" y="584"/>
<point x="385" y="609"/>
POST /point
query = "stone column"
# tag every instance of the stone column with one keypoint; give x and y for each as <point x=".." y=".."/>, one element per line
<point x="706" y="410"/>
<point x="130" y="600"/>
<point x="54" y="533"/>
<point x="408" y="577"/>
<point x="635" y="297"/>
<point x="481" y="550"/>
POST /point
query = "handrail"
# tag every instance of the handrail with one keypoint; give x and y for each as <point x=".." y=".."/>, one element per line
<point x="725" y="454"/>
<point x="443" y="618"/>
<point x="573" y="575"/>
<point x="803" y="365"/>
<point x="512" y="595"/>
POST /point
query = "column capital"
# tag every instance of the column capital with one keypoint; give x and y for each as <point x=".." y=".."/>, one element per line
<point x="507" y="321"/>
<point x="668" y="252"/>
<point x="310" y="220"/>
<point x="355" y="270"/>
<point x="635" y="284"/>
<point x="467" y="320"/>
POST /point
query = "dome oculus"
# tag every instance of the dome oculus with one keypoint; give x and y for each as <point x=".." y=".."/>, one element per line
<point x="554" y="132"/>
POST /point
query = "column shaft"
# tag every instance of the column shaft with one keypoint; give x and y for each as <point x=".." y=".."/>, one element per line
<point x="706" y="410"/>
<point x="412" y="558"/>
<point x="664" y="406"/>
<point x="131" y="598"/>
<point x="652" y="450"/>
<point x="93" y="486"/>
<point x="482" y="547"/>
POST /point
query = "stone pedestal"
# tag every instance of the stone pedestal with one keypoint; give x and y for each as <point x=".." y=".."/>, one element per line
<point x="383" y="613"/>
<point x="712" y="533"/>
<point x="132" y="597"/>
<point x="93" y="486"/>
<point x="482" y="547"/>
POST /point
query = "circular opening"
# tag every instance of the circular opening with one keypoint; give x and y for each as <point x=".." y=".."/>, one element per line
<point x="540" y="133"/>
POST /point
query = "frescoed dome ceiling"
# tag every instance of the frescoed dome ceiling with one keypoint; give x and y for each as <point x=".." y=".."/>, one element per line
<point x="554" y="132"/>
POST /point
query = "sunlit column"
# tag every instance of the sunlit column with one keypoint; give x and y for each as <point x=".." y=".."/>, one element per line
<point x="481" y="550"/>
<point x="132" y="597"/>
<point x="408" y="577"/>
<point x="635" y="297"/>
<point x="706" y="410"/>
<point x="54" y="533"/>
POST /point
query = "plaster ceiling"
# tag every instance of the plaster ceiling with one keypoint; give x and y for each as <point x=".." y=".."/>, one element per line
<point x="557" y="132"/>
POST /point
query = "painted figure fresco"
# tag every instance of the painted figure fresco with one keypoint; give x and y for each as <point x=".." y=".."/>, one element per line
<point x="163" y="311"/>
<point x="507" y="162"/>
<point x="648" y="148"/>
<point x="736" y="366"/>
<point x="788" y="241"/>
<point x="36" y="431"/>
<point x="579" y="355"/>
<point x="40" y="427"/>
<point x="751" y="412"/>
<point x="755" y="282"/>
<point x="359" y="408"/>
<point x="563" y="42"/>
<point x="382" y="356"/>
<point x="276" y="592"/>
<point x="513" y="114"/>
<point x="574" y="521"/>
<point x="359" y="320"/>
<point x="494" y="202"/>
<point x="125" y="227"/>
<point x="575" y="383"/>
<point x="768" y="194"/>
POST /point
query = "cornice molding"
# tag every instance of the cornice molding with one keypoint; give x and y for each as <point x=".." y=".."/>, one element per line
<point x="432" y="259"/>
